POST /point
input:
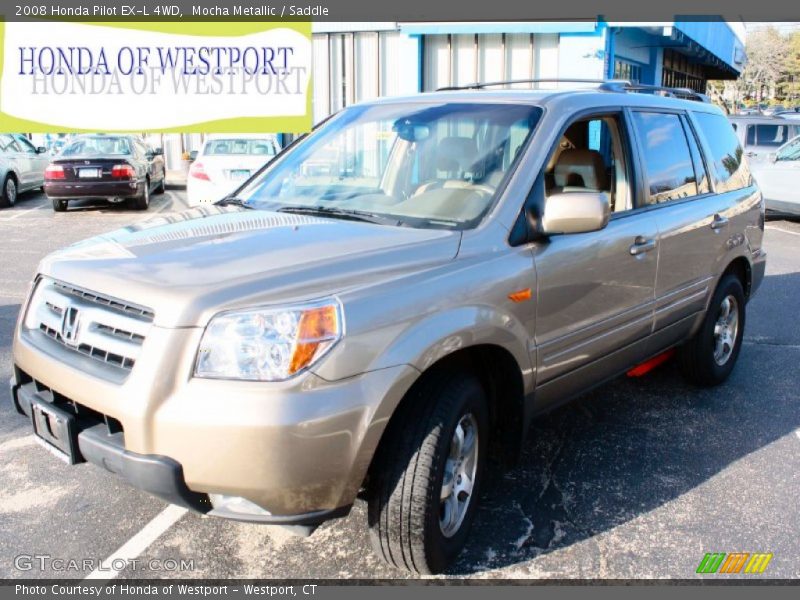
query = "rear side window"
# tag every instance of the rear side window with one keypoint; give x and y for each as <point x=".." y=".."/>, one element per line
<point x="667" y="161"/>
<point x="730" y="171"/>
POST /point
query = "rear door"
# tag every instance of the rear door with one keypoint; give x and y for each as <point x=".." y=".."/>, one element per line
<point x="37" y="162"/>
<point x="694" y="218"/>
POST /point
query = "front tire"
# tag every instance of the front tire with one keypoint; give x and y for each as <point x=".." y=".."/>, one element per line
<point x="8" y="197"/>
<point x="709" y="357"/>
<point x="162" y="187"/>
<point x="426" y="481"/>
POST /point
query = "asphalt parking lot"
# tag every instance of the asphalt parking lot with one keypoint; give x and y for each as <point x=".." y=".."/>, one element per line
<point x="638" y="479"/>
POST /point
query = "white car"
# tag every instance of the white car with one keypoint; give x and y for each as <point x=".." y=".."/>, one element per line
<point x="225" y="162"/>
<point x="779" y="178"/>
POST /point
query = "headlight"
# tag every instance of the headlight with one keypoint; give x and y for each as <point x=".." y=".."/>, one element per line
<point x="268" y="344"/>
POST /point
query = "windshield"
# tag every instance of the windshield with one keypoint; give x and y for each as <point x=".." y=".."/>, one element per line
<point x="238" y="147"/>
<point x="420" y="165"/>
<point x="97" y="146"/>
<point x="790" y="151"/>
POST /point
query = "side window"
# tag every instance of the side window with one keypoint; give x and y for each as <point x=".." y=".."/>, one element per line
<point x="770" y="135"/>
<point x="591" y="156"/>
<point x="668" y="166"/>
<point x="7" y="143"/>
<point x="697" y="159"/>
<point x="24" y="144"/>
<point x="730" y="172"/>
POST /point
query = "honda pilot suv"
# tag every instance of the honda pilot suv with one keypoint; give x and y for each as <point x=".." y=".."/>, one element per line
<point x="381" y="310"/>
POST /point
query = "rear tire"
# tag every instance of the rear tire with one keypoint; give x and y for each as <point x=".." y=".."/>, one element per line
<point x="709" y="357"/>
<point x="8" y="195"/>
<point x="60" y="205"/>
<point x="421" y="501"/>
<point x="143" y="202"/>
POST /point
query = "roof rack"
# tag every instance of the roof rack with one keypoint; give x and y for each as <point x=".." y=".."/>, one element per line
<point x="480" y="86"/>
<point x="606" y="85"/>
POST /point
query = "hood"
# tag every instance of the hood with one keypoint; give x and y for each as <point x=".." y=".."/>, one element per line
<point x="188" y="266"/>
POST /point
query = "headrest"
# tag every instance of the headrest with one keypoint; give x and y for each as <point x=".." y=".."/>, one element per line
<point x="581" y="167"/>
<point x="457" y="154"/>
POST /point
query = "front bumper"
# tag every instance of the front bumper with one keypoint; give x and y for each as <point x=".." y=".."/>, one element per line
<point x="155" y="474"/>
<point x="299" y="450"/>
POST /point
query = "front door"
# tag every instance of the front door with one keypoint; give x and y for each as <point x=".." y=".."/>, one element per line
<point x="595" y="291"/>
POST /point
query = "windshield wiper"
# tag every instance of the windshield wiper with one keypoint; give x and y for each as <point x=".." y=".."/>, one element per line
<point x="341" y="213"/>
<point x="233" y="201"/>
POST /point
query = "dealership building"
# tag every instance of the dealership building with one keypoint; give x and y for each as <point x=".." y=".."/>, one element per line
<point x="354" y="62"/>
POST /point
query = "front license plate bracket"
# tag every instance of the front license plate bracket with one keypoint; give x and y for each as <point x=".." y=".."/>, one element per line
<point x="56" y="429"/>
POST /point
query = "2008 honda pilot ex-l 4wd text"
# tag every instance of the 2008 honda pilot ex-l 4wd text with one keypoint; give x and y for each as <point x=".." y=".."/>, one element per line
<point x="380" y="311"/>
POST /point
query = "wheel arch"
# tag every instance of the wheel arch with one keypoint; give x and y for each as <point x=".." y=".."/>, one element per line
<point x="741" y="268"/>
<point x="502" y="380"/>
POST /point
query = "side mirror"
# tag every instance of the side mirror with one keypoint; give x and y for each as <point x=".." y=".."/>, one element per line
<point x="193" y="155"/>
<point x="41" y="150"/>
<point x="773" y="157"/>
<point x="575" y="212"/>
<point x="158" y="152"/>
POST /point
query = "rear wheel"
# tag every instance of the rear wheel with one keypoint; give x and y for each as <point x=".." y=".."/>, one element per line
<point x="60" y="205"/>
<point x="143" y="202"/>
<point x="9" y="193"/>
<point x="709" y="357"/>
<point x="425" y="485"/>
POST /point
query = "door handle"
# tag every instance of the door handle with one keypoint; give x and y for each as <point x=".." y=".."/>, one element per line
<point x="750" y="154"/>
<point x="641" y="245"/>
<point x="719" y="222"/>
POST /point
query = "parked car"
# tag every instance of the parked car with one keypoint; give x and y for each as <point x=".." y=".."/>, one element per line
<point x="111" y="167"/>
<point x="22" y="167"/>
<point x="779" y="179"/>
<point x="761" y="135"/>
<point x="225" y="162"/>
<point x="390" y="324"/>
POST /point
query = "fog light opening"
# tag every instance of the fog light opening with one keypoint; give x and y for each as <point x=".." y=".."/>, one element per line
<point x="236" y="504"/>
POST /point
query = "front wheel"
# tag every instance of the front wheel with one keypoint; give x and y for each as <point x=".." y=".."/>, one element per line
<point x="426" y="481"/>
<point x="709" y="357"/>
<point x="8" y="197"/>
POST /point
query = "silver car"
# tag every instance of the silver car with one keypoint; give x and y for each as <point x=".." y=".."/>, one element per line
<point x="761" y="135"/>
<point x="779" y="179"/>
<point x="382" y="310"/>
<point x="22" y="167"/>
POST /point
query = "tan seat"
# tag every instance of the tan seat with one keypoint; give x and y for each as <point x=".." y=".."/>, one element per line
<point x="581" y="168"/>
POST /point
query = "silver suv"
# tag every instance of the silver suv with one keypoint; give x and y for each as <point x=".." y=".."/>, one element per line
<point x="382" y="310"/>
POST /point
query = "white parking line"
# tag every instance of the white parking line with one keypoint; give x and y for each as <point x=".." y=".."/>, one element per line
<point x="131" y="549"/>
<point x="783" y="230"/>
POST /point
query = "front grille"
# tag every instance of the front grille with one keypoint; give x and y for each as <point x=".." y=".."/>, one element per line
<point x="104" y="300"/>
<point x="101" y="327"/>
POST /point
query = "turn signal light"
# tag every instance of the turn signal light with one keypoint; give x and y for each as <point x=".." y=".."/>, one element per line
<point x="54" y="172"/>
<point x="318" y="327"/>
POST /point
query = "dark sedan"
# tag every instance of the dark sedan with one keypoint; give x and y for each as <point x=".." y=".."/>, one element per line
<point x="112" y="167"/>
